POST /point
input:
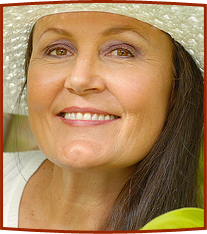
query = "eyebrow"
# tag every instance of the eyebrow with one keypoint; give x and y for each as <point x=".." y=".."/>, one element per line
<point x="107" y="32"/>
<point x="119" y="30"/>
<point x="57" y="31"/>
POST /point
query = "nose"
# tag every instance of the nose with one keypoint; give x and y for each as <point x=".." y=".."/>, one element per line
<point x="84" y="77"/>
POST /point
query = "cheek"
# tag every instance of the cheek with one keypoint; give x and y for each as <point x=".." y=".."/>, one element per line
<point x="144" y="95"/>
<point x="42" y="88"/>
<point x="141" y="91"/>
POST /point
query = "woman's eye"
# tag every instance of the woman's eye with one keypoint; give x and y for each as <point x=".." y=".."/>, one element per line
<point x="121" y="53"/>
<point x="60" y="52"/>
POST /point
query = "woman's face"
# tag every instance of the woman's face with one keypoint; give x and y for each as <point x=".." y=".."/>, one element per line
<point x="98" y="88"/>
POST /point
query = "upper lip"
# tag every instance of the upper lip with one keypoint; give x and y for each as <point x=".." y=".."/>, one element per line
<point x="75" y="109"/>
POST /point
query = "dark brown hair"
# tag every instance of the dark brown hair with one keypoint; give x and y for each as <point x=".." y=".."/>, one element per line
<point x="166" y="179"/>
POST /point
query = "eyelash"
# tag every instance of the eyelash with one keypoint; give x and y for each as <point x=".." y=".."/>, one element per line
<point x="53" y="48"/>
<point x="122" y="48"/>
<point x="109" y="52"/>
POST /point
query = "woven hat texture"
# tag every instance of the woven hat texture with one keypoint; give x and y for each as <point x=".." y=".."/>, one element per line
<point x="184" y="23"/>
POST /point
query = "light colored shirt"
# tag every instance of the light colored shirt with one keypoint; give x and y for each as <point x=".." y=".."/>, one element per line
<point x="18" y="168"/>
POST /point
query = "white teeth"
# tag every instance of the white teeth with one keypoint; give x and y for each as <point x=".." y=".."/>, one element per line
<point x="79" y="116"/>
<point x="101" y="117"/>
<point x="95" y="117"/>
<point x="88" y="116"/>
<point x="107" y="117"/>
<point x="67" y="116"/>
<point x="72" y="116"/>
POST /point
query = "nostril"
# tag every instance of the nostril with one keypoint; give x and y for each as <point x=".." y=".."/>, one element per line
<point x="84" y="91"/>
<point x="92" y="89"/>
<point x="71" y="90"/>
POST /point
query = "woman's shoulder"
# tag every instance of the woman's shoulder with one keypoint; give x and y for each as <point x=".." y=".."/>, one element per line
<point x="19" y="162"/>
<point x="18" y="168"/>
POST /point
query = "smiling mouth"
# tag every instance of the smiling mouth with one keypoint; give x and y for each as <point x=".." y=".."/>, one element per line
<point x="78" y="116"/>
<point x="87" y="116"/>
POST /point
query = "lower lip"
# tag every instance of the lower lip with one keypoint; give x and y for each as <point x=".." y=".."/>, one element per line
<point x="82" y="123"/>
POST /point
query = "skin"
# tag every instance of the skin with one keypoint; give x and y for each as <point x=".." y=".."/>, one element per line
<point x="124" y="72"/>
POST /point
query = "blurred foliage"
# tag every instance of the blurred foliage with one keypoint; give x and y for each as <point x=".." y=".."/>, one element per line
<point x="20" y="137"/>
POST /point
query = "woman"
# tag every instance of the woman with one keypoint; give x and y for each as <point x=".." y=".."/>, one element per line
<point x="116" y="106"/>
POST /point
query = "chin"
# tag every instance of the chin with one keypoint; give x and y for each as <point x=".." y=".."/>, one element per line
<point x="80" y="155"/>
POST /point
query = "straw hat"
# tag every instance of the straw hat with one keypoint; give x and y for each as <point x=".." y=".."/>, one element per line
<point x="184" y="23"/>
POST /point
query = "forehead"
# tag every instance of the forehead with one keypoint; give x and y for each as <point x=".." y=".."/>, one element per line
<point x="102" y="18"/>
<point x="97" y="27"/>
<point x="93" y="22"/>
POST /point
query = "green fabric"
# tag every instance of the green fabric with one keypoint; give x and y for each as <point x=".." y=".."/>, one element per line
<point x="176" y="219"/>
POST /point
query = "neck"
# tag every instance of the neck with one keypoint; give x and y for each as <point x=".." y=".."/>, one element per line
<point x="82" y="200"/>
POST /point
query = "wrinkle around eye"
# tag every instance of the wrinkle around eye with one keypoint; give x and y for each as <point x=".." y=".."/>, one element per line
<point x="44" y="61"/>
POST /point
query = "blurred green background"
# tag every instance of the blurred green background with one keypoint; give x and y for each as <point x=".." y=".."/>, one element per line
<point x="17" y="134"/>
